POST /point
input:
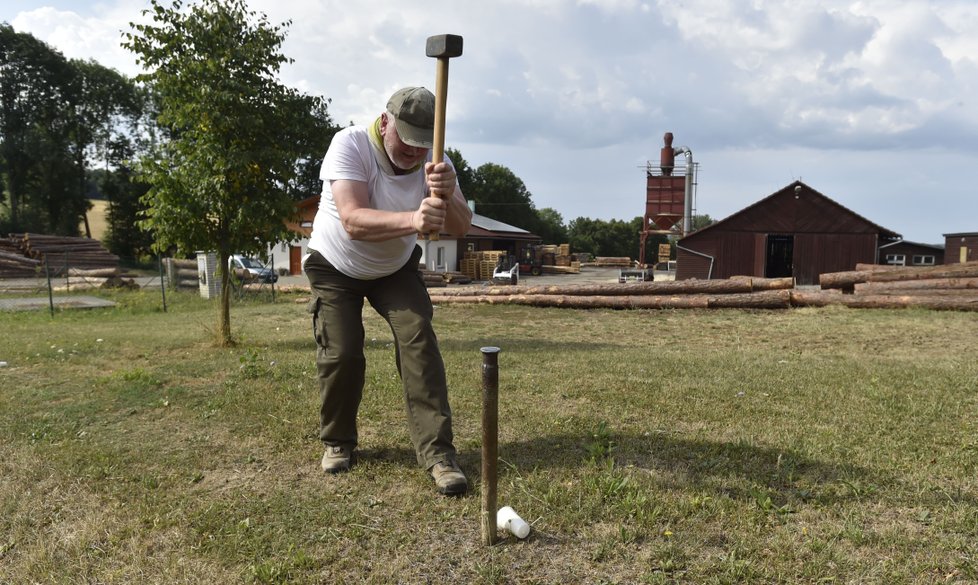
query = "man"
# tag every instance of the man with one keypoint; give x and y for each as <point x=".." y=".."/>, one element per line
<point x="380" y="190"/>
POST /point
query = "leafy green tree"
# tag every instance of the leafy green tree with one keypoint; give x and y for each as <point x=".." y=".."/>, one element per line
<point x="126" y="238"/>
<point x="56" y="117"/>
<point x="107" y="108"/>
<point x="465" y="174"/>
<point x="310" y="132"/>
<point x="498" y="193"/>
<point x="614" y="238"/>
<point x="220" y="181"/>
<point x="36" y="162"/>
<point x="701" y="221"/>
<point x="549" y="225"/>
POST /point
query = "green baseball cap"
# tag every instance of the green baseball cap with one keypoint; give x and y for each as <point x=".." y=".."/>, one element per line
<point x="413" y="109"/>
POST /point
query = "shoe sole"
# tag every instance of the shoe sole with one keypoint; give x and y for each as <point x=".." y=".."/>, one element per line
<point x="336" y="469"/>
<point x="452" y="489"/>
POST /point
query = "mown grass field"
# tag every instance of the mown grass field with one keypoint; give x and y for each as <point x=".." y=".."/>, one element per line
<point x="802" y="446"/>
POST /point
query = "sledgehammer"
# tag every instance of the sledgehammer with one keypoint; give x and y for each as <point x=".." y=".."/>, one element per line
<point x="442" y="48"/>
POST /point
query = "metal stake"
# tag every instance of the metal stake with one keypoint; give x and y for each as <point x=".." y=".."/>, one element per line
<point x="47" y="273"/>
<point x="490" y="431"/>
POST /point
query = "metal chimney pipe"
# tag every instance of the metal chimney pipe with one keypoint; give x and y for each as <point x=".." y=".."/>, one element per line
<point x="688" y="203"/>
<point x="667" y="157"/>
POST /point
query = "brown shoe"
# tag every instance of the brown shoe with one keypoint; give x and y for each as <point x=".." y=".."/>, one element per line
<point x="449" y="479"/>
<point x="337" y="458"/>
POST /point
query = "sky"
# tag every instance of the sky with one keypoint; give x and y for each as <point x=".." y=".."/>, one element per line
<point x="873" y="103"/>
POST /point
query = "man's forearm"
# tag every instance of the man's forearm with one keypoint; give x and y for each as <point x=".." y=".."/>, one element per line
<point x="372" y="225"/>
<point x="458" y="218"/>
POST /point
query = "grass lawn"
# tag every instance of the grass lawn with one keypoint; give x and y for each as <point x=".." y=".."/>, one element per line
<point x="725" y="446"/>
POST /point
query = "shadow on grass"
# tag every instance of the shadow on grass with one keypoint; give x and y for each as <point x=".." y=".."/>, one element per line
<point x="523" y="345"/>
<point x="735" y="469"/>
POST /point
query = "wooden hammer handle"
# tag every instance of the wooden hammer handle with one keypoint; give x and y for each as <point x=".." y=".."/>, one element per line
<point x="441" y="104"/>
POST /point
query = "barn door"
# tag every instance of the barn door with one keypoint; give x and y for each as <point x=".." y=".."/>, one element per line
<point x="780" y="252"/>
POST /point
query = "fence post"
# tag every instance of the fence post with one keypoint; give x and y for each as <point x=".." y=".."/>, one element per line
<point x="47" y="273"/>
<point x="162" y="282"/>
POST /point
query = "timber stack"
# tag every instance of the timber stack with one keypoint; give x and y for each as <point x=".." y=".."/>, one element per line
<point x="952" y="287"/>
<point x="437" y="279"/>
<point x="738" y="292"/>
<point x="611" y="262"/>
<point x="14" y="264"/>
<point x="181" y="273"/>
<point x="62" y="253"/>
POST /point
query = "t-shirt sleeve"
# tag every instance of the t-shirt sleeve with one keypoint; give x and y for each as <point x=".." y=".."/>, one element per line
<point x="345" y="158"/>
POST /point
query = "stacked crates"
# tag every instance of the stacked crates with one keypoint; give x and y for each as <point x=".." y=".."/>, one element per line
<point x="480" y="265"/>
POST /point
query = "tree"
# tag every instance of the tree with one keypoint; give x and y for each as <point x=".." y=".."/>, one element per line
<point x="615" y="238"/>
<point x="465" y="174"/>
<point x="220" y="181"/>
<point x="36" y="163"/>
<point x="311" y="132"/>
<point x="501" y="195"/>
<point x="550" y="226"/>
<point x="56" y="115"/>
<point x="125" y="237"/>
<point x="701" y="221"/>
<point x="107" y="106"/>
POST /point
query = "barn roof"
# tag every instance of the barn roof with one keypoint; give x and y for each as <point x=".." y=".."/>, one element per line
<point x="754" y="209"/>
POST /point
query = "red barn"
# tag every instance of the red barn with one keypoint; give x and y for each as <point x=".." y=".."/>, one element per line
<point x="796" y="231"/>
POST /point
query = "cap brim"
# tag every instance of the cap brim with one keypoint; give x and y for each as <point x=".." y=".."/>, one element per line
<point x="414" y="136"/>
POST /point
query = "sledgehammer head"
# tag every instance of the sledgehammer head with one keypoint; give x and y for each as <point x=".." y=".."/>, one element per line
<point x="444" y="46"/>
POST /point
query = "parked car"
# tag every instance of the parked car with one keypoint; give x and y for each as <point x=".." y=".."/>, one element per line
<point x="256" y="269"/>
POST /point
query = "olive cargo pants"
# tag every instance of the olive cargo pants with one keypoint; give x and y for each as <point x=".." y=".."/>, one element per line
<point x="402" y="300"/>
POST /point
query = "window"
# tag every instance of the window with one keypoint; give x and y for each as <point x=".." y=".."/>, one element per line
<point x="921" y="260"/>
<point x="896" y="259"/>
<point x="440" y="262"/>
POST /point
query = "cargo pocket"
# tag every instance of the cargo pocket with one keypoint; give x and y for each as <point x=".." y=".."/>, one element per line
<point x="318" y="334"/>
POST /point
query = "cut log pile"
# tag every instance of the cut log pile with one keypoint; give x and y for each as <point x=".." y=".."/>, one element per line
<point x="14" y="264"/>
<point x="25" y="254"/>
<point x="947" y="287"/>
<point x="611" y="262"/>
<point x="743" y="292"/>
<point x="181" y="273"/>
<point x="951" y="287"/>
<point x="442" y="279"/>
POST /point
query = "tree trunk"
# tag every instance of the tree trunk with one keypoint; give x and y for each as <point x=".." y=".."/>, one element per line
<point x="681" y="287"/>
<point x="925" y="284"/>
<point x="778" y="299"/>
<point x="224" y="319"/>
<point x="823" y="299"/>
<point x="871" y="273"/>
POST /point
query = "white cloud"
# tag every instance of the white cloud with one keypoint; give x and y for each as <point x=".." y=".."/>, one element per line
<point x="574" y="95"/>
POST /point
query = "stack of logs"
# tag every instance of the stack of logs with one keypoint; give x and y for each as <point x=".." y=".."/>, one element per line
<point x="14" y="264"/>
<point x="947" y="287"/>
<point x="61" y="253"/>
<point x="950" y="287"/>
<point x="612" y="262"/>
<point x="434" y="279"/>
<point x="737" y="292"/>
<point x="181" y="274"/>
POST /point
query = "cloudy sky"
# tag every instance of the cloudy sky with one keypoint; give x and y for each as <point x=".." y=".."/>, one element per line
<point x="871" y="102"/>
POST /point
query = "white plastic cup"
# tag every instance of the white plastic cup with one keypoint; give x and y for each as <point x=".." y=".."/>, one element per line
<point x="508" y="519"/>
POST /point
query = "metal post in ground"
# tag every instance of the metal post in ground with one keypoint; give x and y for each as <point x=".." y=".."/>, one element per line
<point x="490" y="432"/>
<point x="47" y="273"/>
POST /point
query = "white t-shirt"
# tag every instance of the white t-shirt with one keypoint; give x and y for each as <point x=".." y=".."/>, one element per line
<point x="351" y="156"/>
